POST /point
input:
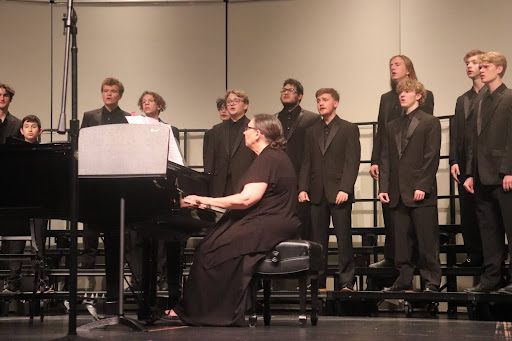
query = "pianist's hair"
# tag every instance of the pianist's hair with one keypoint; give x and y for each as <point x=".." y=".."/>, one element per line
<point x="412" y="85"/>
<point x="409" y="66"/>
<point x="156" y="97"/>
<point x="32" y="119"/>
<point x="111" y="81"/>
<point x="8" y="90"/>
<point x="271" y="128"/>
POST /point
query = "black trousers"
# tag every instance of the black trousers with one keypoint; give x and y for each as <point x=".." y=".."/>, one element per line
<point x="134" y="253"/>
<point x="494" y="212"/>
<point x="389" y="244"/>
<point x="111" y="240"/>
<point x="416" y="226"/>
<point x="304" y="214"/>
<point x="91" y="236"/>
<point x="469" y="224"/>
<point x="341" y="215"/>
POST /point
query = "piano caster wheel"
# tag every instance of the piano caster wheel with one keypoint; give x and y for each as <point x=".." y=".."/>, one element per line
<point x="407" y="308"/>
<point x="303" y="321"/>
<point x="433" y="308"/>
<point x="253" y="320"/>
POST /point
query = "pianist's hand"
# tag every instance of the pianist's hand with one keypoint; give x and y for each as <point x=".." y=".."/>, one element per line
<point x="194" y="201"/>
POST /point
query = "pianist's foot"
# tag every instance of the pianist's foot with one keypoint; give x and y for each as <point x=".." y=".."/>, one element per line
<point x="170" y="315"/>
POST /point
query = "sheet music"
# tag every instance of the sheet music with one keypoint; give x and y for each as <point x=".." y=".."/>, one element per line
<point x="174" y="151"/>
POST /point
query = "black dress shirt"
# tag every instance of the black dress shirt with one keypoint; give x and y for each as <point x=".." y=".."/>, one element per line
<point x="287" y="119"/>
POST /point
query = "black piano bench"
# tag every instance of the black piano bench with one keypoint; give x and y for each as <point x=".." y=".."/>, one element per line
<point x="300" y="259"/>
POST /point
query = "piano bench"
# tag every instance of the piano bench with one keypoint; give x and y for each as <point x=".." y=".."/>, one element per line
<point x="297" y="259"/>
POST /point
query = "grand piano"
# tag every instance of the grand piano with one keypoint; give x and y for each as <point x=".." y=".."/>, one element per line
<point x="36" y="184"/>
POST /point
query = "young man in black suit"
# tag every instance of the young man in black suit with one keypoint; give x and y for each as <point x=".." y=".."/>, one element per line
<point x="407" y="182"/>
<point x="10" y="127"/>
<point x="295" y="121"/>
<point x="461" y="130"/>
<point x="332" y="153"/>
<point x="111" y="92"/>
<point x="224" y="116"/>
<point x="400" y="68"/>
<point x="489" y="171"/>
<point x="228" y="155"/>
<point x="9" y="124"/>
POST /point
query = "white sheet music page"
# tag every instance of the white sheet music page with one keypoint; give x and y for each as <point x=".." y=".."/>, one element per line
<point x="174" y="152"/>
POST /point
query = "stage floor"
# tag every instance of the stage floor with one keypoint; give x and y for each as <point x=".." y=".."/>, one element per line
<point x="284" y="328"/>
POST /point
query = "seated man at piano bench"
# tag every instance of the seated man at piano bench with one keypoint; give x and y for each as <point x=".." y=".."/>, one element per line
<point x="261" y="215"/>
<point x="111" y="92"/>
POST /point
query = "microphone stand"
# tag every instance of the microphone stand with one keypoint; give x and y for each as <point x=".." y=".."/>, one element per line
<point x="70" y="20"/>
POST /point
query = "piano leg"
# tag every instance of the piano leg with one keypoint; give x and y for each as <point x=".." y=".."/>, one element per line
<point x="148" y="297"/>
<point x="175" y="266"/>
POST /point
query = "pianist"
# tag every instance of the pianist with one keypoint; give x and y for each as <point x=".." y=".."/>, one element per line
<point x="259" y="216"/>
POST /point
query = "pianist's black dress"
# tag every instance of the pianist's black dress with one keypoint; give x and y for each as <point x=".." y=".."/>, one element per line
<point x="217" y="290"/>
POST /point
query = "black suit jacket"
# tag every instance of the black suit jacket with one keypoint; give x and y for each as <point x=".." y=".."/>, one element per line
<point x="491" y="150"/>
<point x="220" y="159"/>
<point x="12" y="127"/>
<point x="95" y="118"/>
<point x="462" y="126"/>
<point x="402" y="174"/>
<point x="295" y="140"/>
<point x="389" y="109"/>
<point x="207" y="153"/>
<point x="332" y="168"/>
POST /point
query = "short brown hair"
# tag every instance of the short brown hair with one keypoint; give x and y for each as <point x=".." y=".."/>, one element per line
<point x="408" y="84"/>
<point x="495" y="58"/>
<point x="158" y="100"/>
<point x="8" y="90"/>
<point x="111" y="81"/>
<point x="409" y="66"/>
<point x="33" y="119"/>
<point x="221" y="103"/>
<point x="472" y="53"/>
<point x="271" y="128"/>
<point x="238" y="93"/>
<point x="329" y="91"/>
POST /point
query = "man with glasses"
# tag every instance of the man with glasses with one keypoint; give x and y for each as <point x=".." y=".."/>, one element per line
<point x="227" y="153"/>
<point x="295" y="121"/>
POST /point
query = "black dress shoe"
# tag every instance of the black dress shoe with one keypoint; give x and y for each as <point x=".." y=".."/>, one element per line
<point x="480" y="288"/>
<point x="507" y="290"/>
<point x="469" y="263"/>
<point x="431" y="288"/>
<point x="398" y="288"/>
<point x="385" y="263"/>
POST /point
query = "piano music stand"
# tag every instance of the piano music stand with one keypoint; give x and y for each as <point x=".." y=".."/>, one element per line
<point x="122" y="151"/>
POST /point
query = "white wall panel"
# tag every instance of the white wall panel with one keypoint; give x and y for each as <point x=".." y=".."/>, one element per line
<point x="25" y="57"/>
<point x="177" y="51"/>
<point x="436" y="35"/>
